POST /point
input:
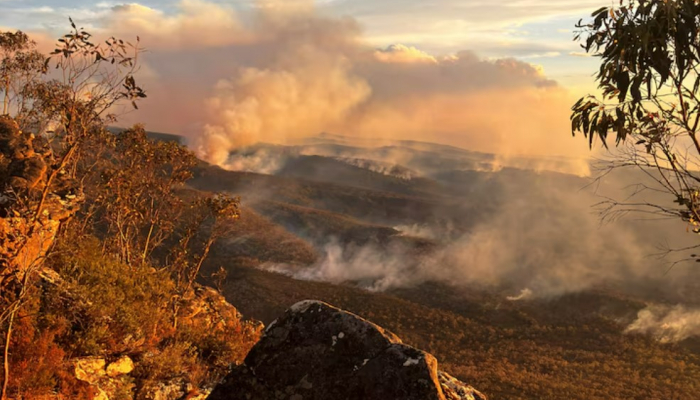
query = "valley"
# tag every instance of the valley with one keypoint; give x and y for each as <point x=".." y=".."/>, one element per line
<point x="325" y="229"/>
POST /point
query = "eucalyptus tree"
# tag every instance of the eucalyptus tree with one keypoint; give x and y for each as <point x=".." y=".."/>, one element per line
<point x="67" y="106"/>
<point x="649" y="77"/>
<point x="20" y="64"/>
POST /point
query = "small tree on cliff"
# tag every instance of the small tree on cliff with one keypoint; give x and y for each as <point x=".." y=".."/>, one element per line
<point x="21" y="64"/>
<point x="649" y="78"/>
<point x="92" y="79"/>
<point x="136" y="203"/>
<point x="133" y="205"/>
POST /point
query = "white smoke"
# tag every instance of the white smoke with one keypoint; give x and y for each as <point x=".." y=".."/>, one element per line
<point x="304" y="91"/>
<point x="259" y="160"/>
<point x="380" y="167"/>
<point x="668" y="324"/>
<point x="524" y="295"/>
<point x="420" y="231"/>
<point x="367" y="266"/>
<point x="536" y="233"/>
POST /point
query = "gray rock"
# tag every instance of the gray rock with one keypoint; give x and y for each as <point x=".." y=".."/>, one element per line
<point x="318" y="352"/>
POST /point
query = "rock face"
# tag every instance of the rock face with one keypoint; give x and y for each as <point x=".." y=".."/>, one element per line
<point x="318" y="352"/>
<point x="90" y="369"/>
<point x="24" y="160"/>
<point x="204" y="309"/>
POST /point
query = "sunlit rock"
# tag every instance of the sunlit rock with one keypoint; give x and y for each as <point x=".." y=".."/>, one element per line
<point x="122" y="366"/>
<point x="90" y="369"/>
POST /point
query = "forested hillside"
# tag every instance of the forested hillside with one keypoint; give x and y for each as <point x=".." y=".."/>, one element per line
<point x="565" y="346"/>
<point x="131" y="269"/>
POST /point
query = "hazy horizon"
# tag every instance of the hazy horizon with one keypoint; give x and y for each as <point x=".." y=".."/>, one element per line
<point x="230" y="74"/>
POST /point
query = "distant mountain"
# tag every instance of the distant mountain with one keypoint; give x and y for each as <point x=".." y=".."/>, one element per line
<point x="436" y="257"/>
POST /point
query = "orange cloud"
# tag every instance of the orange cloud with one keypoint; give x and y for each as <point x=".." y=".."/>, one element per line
<point x="289" y="72"/>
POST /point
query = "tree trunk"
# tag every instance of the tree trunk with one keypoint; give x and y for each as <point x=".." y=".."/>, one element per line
<point x="6" y="101"/>
<point x="6" y="355"/>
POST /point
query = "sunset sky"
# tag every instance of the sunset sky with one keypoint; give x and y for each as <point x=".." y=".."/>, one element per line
<point x="536" y="31"/>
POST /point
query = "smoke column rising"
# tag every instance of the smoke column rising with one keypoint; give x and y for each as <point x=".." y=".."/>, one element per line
<point x="282" y="71"/>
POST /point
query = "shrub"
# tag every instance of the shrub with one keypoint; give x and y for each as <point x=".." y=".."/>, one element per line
<point x="113" y="308"/>
<point x="38" y="363"/>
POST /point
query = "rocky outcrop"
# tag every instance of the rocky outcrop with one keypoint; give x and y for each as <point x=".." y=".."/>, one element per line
<point x="206" y="308"/>
<point x="108" y="380"/>
<point x="90" y="369"/>
<point x="203" y="309"/>
<point x="121" y="366"/>
<point x="318" y="352"/>
<point x="25" y="236"/>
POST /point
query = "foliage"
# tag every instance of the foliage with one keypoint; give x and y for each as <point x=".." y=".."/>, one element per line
<point x="94" y="79"/>
<point x="120" y="276"/>
<point x="100" y="297"/>
<point x="99" y="306"/>
<point x="649" y="78"/>
<point x="21" y="64"/>
<point x="67" y="110"/>
<point x="131" y="191"/>
<point x="40" y="364"/>
<point x="136" y="205"/>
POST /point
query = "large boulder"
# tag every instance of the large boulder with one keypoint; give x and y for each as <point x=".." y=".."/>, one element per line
<point x="318" y="352"/>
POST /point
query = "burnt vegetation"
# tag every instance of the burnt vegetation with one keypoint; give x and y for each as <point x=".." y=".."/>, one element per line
<point x="107" y="236"/>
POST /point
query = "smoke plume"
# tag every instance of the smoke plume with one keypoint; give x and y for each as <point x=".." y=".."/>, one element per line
<point x="282" y="70"/>
<point x="524" y="295"/>
<point x="534" y="233"/>
<point x="668" y="324"/>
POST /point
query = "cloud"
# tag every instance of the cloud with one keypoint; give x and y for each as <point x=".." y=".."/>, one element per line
<point x="478" y="12"/>
<point x="450" y="23"/>
<point x="548" y="54"/>
<point x="52" y="19"/>
<point x="399" y="53"/>
<point x="197" y="24"/>
<point x="284" y="70"/>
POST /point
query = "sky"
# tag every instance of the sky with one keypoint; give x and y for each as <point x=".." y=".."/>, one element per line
<point x="497" y="76"/>
<point x="537" y="31"/>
